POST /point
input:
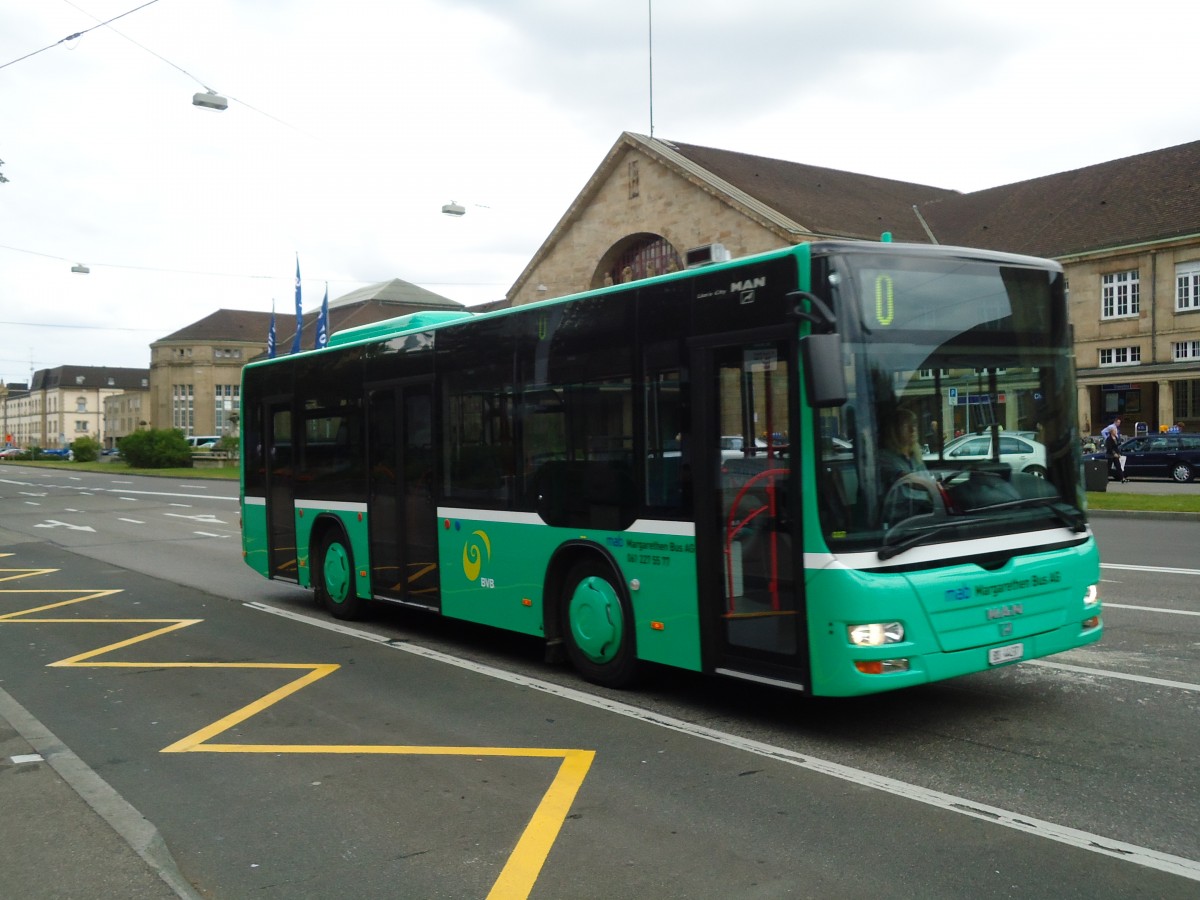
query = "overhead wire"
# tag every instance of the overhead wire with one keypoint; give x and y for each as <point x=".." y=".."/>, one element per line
<point x="78" y="34"/>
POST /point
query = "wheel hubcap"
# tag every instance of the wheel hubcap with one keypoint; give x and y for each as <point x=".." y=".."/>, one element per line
<point x="336" y="572"/>
<point x="595" y="619"/>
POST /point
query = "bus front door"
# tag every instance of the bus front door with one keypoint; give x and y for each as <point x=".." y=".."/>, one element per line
<point x="747" y="529"/>
<point x="402" y="512"/>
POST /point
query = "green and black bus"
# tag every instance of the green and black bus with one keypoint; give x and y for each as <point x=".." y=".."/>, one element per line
<point x="691" y="470"/>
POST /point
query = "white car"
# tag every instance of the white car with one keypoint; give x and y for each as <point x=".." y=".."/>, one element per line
<point x="1022" y="454"/>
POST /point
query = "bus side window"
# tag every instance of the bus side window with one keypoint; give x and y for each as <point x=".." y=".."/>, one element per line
<point x="668" y="452"/>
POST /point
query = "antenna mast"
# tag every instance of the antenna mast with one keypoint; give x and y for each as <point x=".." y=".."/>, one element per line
<point x="650" y="41"/>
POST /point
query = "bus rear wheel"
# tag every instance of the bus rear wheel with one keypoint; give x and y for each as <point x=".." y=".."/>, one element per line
<point x="598" y="627"/>
<point x="333" y="579"/>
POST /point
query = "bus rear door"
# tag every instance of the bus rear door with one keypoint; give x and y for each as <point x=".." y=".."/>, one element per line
<point x="281" y="491"/>
<point x="402" y="510"/>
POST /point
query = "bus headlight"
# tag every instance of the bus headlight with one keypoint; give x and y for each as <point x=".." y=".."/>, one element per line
<point x="1091" y="597"/>
<point x="876" y="634"/>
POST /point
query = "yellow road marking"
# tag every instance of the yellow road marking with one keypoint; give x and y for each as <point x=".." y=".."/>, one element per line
<point x="524" y="864"/>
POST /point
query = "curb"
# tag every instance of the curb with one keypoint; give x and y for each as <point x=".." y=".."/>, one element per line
<point x="134" y="828"/>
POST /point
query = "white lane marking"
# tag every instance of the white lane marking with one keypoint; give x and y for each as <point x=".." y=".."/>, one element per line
<point x="131" y="521"/>
<point x="207" y="518"/>
<point x="1108" y="673"/>
<point x="210" y="534"/>
<point x="181" y="505"/>
<point x="1165" y="570"/>
<point x="54" y="523"/>
<point x="1157" y="609"/>
<point x="1142" y="856"/>
<point x="32" y="503"/>
<point x="171" y="494"/>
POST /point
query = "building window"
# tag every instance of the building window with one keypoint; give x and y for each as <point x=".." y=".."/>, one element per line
<point x="228" y="403"/>
<point x="1187" y="399"/>
<point x="81" y="426"/>
<point x="1119" y="295"/>
<point x="81" y="404"/>
<point x="1187" y="286"/>
<point x="183" y="407"/>
<point x="1186" y="350"/>
<point x="1121" y="356"/>
<point x="634" y="186"/>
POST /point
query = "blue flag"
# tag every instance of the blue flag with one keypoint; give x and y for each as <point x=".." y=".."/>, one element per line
<point x="323" y="321"/>
<point x="271" y="334"/>
<point x="299" y="311"/>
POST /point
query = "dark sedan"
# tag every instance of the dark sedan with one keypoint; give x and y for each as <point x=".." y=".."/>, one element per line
<point x="1174" y="456"/>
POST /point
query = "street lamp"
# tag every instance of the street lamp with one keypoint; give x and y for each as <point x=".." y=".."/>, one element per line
<point x="209" y="100"/>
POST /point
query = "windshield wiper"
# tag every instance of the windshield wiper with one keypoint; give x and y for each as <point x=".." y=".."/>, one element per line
<point x="888" y="550"/>
<point x="1067" y="515"/>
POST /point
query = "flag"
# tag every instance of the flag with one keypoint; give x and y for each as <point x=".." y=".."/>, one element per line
<point x="299" y="311"/>
<point x="271" y="334"/>
<point x="323" y="321"/>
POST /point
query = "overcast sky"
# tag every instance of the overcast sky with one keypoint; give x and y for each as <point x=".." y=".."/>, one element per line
<point x="351" y="123"/>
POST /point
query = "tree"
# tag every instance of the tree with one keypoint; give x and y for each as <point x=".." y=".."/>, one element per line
<point x="2" y="178"/>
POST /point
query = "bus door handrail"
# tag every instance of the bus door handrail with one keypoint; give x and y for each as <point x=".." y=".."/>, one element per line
<point x="732" y="530"/>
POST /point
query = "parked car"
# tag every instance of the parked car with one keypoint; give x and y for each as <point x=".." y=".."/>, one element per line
<point x="1174" y="456"/>
<point x="1022" y="454"/>
<point x="8" y="452"/>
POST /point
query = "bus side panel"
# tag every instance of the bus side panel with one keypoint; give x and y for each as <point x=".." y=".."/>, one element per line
<point x="353" y="520"/>
<point x="255" y="546"/>
<point x="492" y="573"/>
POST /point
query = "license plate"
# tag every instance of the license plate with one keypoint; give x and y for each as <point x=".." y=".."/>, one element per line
<point x="999" y="655"/>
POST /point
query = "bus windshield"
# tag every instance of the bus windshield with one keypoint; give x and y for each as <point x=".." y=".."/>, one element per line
<point x="958" y="421"/>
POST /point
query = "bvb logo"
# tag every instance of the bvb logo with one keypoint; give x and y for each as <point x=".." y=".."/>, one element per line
<point x="474" y="552"/>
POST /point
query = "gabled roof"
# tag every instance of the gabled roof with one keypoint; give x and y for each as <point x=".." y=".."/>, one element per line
<point x="232" y="325"/>
<point x="797" y="202"/>
<point x="826" y="202"/>
<point x="1149" y="197"/>
<point x="1138" y="199"/>
<point x="90" y="377"/>
<point x="372" y="303"/>
<point x="396" y="291"/>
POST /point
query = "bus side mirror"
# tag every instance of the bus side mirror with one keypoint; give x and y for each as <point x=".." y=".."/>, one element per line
<point x="823" y="371"/>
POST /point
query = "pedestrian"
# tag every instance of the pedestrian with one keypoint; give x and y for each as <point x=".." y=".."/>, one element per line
<point x="1111" y="436"/>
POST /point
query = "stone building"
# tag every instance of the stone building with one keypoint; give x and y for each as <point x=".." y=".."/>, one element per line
<point x="1127" y="233"/>
<point x="66" y="403"/>
<point x="196" y="372"/>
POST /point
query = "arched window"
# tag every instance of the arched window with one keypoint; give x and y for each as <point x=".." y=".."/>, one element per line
<point x="638" y="256"/>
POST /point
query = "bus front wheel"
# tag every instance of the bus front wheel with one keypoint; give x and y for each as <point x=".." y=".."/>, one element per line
<point x="598" y="627"/>
<point x="333" y="579"/>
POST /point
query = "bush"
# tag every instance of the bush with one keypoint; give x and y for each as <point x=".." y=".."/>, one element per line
<point x="161" y="448"/>
<point x="86" y="449"/>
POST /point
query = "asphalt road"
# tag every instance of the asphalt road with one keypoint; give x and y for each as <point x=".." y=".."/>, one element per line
<point x="442" y="761"/>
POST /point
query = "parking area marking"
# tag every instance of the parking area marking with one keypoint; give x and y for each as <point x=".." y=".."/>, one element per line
<point x="525" y="862"/>
<point x="1073" y="837"/>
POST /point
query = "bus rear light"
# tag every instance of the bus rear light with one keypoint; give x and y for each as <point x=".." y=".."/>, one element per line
<point x="875" y="634"/>
<point x="881" y="666"/>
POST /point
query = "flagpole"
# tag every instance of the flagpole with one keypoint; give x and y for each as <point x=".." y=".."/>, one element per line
<point x="299" y="310"/>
